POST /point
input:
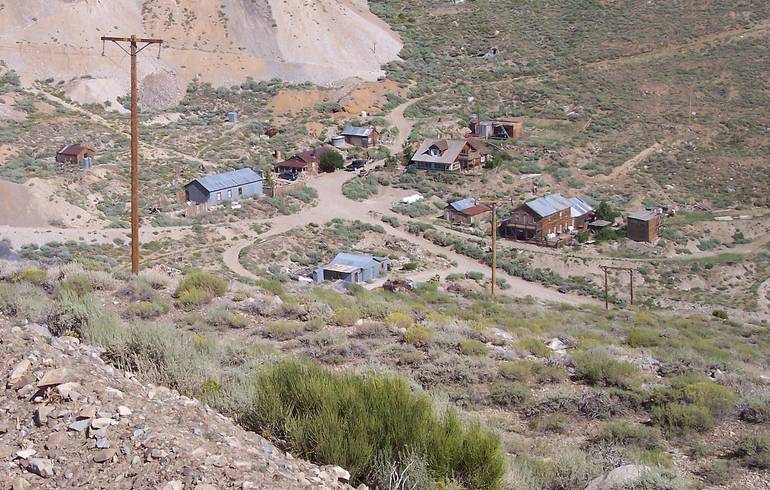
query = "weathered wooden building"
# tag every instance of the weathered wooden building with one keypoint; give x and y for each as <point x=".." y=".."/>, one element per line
<point x="362" y="136"/>
<point x="451" y="155"/>
<point x="466" y="212"/>
<point x="74" y="154"/>
<point x="227" y="186"/>
<point x="540" y="219"/>
<point x="306" y="162"/>
<point x="644" y="226"/>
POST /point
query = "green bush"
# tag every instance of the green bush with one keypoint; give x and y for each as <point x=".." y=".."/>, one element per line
<point x="524" y="370"/>
<point x="285" y="330"/>
<point x="678" y="418"/>
<point x="596" y="367"/>
<point x="201" y="281"/>
<point x="147" y="309"/>
<point x="717" y="398"/>
<point x="190" y="298"/>
<point x="330" y="161"/>
<point x="79" y="284"/>
<point x="33" y="276"/>
<point x="74" y="314"/>
<point x="721" y="314"/>
<point x="534" y="346"/>
<point x="629" y="434"/>
<point x="354" y="421"/>
<point x="507" y="395"/>
<point x="642" y="337"/>
<point x="23" y="300"/>
<point x="754" y="451"/>
<point x="222" y="317"/>
<point x="473" y="347"/>
<point x="418" y="336"/>
<point x="399" y="319"/>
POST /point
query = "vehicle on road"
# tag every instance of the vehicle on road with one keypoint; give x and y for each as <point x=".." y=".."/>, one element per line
<point x="288" y="176"/>
<point x="355" y="165"/>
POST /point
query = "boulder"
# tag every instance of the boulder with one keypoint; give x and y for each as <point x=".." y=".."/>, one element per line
<point x="42" y="467"/>
<point x="617" y="478"/>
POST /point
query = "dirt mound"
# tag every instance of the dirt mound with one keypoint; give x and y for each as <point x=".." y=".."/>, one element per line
<point x="323" y="41"/>
<point x="34" y="205"/>
<point x="70" y="420"/>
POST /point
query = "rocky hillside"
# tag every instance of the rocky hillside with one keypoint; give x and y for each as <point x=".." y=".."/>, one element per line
<point x="69" y="419"/>
<point x="221" y="42"/>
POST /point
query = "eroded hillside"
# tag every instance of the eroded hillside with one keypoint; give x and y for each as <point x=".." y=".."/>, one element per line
<point x="221" y="42"/>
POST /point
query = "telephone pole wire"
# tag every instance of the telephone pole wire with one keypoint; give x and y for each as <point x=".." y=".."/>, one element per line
<point x="132" y="52"/>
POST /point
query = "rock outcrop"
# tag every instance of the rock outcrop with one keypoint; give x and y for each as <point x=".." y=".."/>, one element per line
<point x="68" y="419"/>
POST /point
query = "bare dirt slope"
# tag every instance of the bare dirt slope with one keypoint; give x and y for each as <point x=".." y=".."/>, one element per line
<point x="70" y="420"/>
<point x="322" y="41"/>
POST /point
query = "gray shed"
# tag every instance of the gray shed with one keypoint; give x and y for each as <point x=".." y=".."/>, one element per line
<point x="352" y="268"/>
<point x="227" y="186"/>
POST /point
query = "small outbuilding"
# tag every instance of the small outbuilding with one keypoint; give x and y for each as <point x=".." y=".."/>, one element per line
<point x="74" y="154"/>
<point x="466" y="212"/>
<point x="352" y="268"/>
<point x="228" y="186"/>
<point x="502" y="129"/>
<point x="362" y="136"/>
<point x="644" y="226"/>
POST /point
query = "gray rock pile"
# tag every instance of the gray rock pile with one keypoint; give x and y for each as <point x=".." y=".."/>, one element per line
<point x="68" y="419"/>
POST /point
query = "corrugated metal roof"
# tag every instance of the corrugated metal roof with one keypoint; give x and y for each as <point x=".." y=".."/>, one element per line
<point x="579" y="206"/>
<point x="462" y="204"/>
<point x="363" y="131"/>
<point x="344" y="269"/>
<point x="548" y="205"/>
<point x="643" y="215"/>
<point x="73" y="150"/>
<point x="225" y="180"/>
<point x="357" y="260"/>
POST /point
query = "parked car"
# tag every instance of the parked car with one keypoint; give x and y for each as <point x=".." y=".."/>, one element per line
<point x="288" y="176"/>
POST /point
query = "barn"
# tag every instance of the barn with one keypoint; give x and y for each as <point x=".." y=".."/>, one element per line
<point x="466" y="212"/>
<point x="227" y="186"/>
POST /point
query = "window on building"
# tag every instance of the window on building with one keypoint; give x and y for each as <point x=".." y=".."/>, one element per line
<point x="229" y="193"/>
<point x="219" y="196"/>
<point x="240" y="191"/>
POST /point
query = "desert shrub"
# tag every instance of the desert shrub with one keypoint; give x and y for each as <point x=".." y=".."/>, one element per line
<point x="474" y="275"/>
<point x="570" y="468"/>
<point x="223" y="317"/>
<point x="754" y="451"/>
<point x="79" y="284"/>
<point x="138" y="289"/>
<point x="71" y="313"/>
<point x="534" y="346"/>
<point x="147" y="309"/>
<point x="418" y="336"/>
<point x="33" y="276"/>
<point x="717" y="398"/>
<point x="524" y="370"/>
<point x="190" y="298"/>
<point x="755" y="409"/>
<point x="22" y="300"/>
<point x="721" y="314"/>
<point x="642" y="337"/>
<point x="596" y="367"/>
<point x="679" y="418"/>
<point x="554" y="423"/>
<point x="391" y="220"/>
<point x="346" y="316"/>
<point x="284" y="330"/>
<point x="473" y="347"/>
<point x="355" y="421"/>
<point x="331" y="161"/>
<point x="201" y="281"/>
<point x="628" y="434"/>
<point x="507" y="395"/>
<point x="719" y="472"/>
<point x="157" y="280"/>
<point x="398" y="319"/>
<point x="407" y="471"/>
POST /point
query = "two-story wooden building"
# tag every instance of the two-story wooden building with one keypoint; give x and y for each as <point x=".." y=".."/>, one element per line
<point x="540" y="219"/>
<point x="305" y="162"/>
<point x="451" y="155"/>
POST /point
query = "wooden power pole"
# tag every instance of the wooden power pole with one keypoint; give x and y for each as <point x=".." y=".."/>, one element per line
<point x="607" y="268"/>
<point x="493" y="205"/>
<point x="133" y="50"/>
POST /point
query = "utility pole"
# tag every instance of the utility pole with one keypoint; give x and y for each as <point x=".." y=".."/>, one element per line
<point x="132" y="52"/>
<point x="493" y="205"/>
<point x="607" y="268"/>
